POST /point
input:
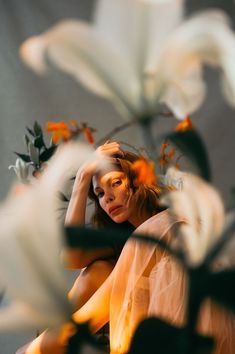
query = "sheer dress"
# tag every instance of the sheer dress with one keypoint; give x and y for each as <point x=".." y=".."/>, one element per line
<point x="148" y="281"/>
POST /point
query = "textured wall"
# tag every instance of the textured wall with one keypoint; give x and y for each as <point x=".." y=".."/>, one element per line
<point x="25" y="97"/>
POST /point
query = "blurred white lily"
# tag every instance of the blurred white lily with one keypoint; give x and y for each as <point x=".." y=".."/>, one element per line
<point x="31" y="238"/>
<point x="21" y="170"/>
<point x="226" y="256"/>
<point x="201" y="206"/>
<point x="139" y="53"/>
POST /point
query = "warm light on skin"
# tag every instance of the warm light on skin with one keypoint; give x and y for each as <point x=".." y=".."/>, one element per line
<point x="114" y="195"/>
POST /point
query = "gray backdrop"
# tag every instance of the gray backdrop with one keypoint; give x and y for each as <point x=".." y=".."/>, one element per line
<point x="25" y="97"/>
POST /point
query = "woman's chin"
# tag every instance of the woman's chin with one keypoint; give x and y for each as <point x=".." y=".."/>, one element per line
<point x="119" y="219"/>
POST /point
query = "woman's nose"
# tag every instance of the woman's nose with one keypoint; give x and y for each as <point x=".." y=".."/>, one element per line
<point x="109" y="197"/>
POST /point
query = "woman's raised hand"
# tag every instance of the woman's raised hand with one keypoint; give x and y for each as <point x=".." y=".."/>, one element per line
<point x="110" y="149"/>
<point x="77" y="206"/>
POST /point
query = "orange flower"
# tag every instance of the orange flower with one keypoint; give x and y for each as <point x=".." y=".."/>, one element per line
<point x="171" y="154"/>
<point x="163" y="160"/>
<point x="73" y="123"/>
<point x="185" y="124"/>
<point x="66" y="131"/>
<point x="59" y="130"/>
<point x="87" y="131"/>
<point x="144" y="171"/>
<point x="166" y="157"/>
<point x="163" y="147"/>
<point x="89" y="136"/>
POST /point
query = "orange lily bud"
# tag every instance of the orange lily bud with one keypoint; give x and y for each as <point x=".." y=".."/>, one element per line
<point x="185" y="124"/>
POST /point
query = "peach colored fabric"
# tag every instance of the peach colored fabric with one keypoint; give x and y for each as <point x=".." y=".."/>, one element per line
<point x="147" y="281"/>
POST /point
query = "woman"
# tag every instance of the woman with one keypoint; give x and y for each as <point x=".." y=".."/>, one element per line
<point x="96" y="264"/>
<point x="145" y="280"/>
<point x="115" y="197"/>
<point x="148" y="281"/>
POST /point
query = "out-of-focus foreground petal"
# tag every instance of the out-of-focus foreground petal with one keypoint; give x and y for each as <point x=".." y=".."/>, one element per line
<point x="80" y="50"/>
<point x="31" y="238"/>
<point x="226" y="257"/>
<point x="138" y="54"/>
<point x="139" y="26"/>
<point x="202" y="208"/>
<point x="204" y="39"/>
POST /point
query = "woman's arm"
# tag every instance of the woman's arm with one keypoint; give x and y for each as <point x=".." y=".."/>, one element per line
<point x="76" y="213"/>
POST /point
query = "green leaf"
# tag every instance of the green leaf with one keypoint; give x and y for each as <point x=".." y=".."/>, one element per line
<point x="46" y="155"/>
<point x="26" y="140"/>
<point x="94" y="238"/>
<point x="37" y="129"/>
<point x="31" y="132"/>
<point x="25" y="158"/>
<point x="221" y="287"/>
<point x="192" y="146"/>
<point x="115" y="236"/>
<point x="39" y="142"/>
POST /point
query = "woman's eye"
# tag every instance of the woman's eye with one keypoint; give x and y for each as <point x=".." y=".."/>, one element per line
<point x="116" y="182"/>
<point x="100" y="194"/>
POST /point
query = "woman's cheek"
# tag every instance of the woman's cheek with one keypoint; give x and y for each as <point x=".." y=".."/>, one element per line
<point x="101" y="202"/>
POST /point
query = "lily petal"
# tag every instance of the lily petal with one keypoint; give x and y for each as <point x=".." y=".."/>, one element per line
<point x="154" y="58"/>
<point x="226" y="257"/>
<point x="202" y="208"/>
<point x="21" y="169"/>
<point x="78" y="49"/>
<point x="186" y="94"/>
<point x="20" y="317"/>
<point x="203" y="39"/>
<point x="33" y="276"/>
<point x="140" y="26"/>
<point x="31" y="239"/>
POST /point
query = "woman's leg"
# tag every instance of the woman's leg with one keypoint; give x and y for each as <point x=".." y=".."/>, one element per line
<point x="89" y="280"/>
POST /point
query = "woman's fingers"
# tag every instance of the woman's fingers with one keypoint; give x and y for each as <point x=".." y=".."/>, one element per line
<point x="110" y="148"/>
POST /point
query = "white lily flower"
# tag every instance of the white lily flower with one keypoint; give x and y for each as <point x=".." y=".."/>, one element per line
<point x="139" y="53"/>
<point x="31" y="238"/>
<point x="202" y="208"/>
<point x="21" y="169"/>
<point x="226" y="257"/>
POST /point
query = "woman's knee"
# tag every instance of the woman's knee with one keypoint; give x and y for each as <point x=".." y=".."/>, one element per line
<point x="89" y="280"/>
<point x="100" y="267"/>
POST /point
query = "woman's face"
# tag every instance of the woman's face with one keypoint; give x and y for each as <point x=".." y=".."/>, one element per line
<point x="114" y="195"/>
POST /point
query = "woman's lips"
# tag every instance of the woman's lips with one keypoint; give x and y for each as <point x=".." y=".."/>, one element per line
<point x="114" y="209"/>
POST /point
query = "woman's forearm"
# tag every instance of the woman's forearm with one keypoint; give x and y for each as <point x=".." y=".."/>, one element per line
<point x="76" y="213"/>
